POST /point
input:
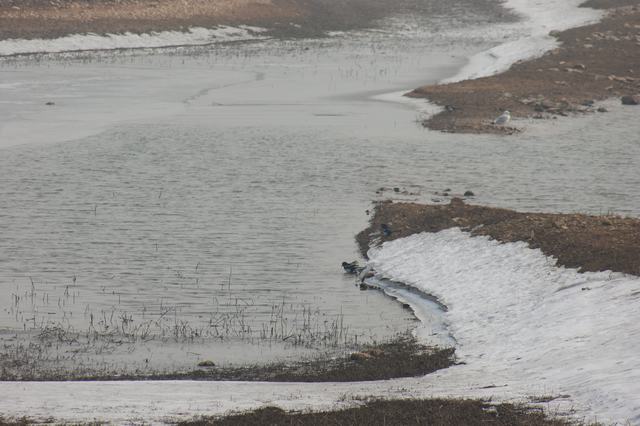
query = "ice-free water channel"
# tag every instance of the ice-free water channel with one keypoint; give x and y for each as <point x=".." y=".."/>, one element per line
<point x="202" y="196"/>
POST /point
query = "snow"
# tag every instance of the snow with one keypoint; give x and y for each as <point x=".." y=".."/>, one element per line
<point x="538" y="19"/>
<point x="525" y="329"/>
<point x="82" y="42"/>
<point x="520" y="319"/>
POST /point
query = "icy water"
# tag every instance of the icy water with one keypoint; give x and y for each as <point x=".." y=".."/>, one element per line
<point x="194" y="198"/>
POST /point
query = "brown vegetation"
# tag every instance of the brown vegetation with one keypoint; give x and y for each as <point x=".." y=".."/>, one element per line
<point x="589" y="243"/>
<point x="594" y="62"/>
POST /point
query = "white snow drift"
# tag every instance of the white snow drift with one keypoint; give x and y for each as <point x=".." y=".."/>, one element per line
<point x="81" y="42"/>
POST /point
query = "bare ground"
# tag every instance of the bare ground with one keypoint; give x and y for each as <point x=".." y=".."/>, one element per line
<point x="594" y="62"/>
<point x="589" y="243"/>
<point x="433" y="412"/>
<point x="285" y="18"/>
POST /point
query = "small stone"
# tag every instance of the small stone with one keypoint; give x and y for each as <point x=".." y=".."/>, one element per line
<point x="602" y="109"/>
<point x="360" y="356"/>
<point x="375" y="352"/>
<point x="206" y="363"/>
<point x="50" y="103"/>
<point x="469" y="194"/>
<point x="630" y="100"/>
<point x="396" y="189"/>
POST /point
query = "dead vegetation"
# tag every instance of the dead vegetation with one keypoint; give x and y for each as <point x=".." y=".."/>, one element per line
<point x="589" y="243"/>
<point x="433" y="412"/>
<point x="402" y="356"/>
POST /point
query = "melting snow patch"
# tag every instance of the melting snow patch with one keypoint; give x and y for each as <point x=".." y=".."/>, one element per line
<point x="82" y="42"/>
<point x="539" y="18"/>
<point x="519" y="319"/>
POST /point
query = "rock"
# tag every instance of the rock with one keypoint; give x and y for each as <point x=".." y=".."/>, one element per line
<point x="469" y="194"/>
<point x="602" y="109"/>
<point x="50" y="103"/>
<point x="449" y="108"/>
<point x="206" y="363"/>
<point x="375" y="352"/>
<point x="579" y="67"/>
<point x="360" y="356"/>
<point x="396" y="189"/>
<point x="588" y="102"/>
<point x="365" y="286"/>
<point x="630" y="100"/>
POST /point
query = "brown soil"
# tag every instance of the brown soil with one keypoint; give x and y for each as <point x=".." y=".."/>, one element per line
<point x="55" y="18"/>
<point x="433" y="412"/>
<point x="403" y="357"/>
<point x="37" y="19"/>
<point x="589" y="243"/>
<point x="594" y="62"/>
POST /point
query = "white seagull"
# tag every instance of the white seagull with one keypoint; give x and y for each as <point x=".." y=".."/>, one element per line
<point x="503" y="119"/>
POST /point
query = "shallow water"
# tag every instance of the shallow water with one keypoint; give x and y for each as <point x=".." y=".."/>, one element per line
<point x="213" y="192"/>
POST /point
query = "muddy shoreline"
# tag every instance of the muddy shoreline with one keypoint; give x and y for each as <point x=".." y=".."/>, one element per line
<point x="435" y="412"/>
<point x="401" y="356"/>
<point x="31" y="19"/>
<point x="593" y="63"/>
<point x="588" y="243"/>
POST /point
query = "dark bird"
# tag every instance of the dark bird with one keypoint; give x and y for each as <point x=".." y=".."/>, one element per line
<point x="352" y="267"/>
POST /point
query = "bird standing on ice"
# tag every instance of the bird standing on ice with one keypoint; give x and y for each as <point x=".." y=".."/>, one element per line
<point x="503" y="119"/>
